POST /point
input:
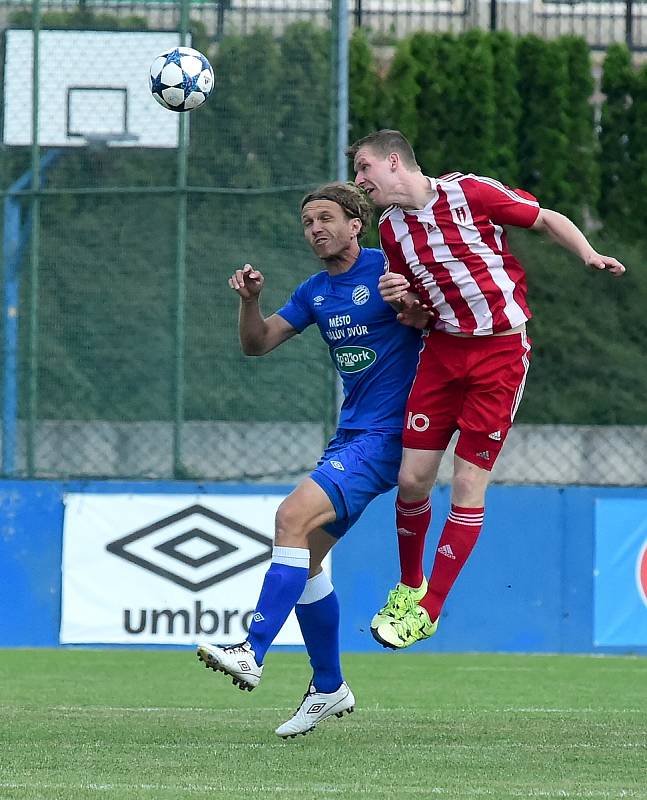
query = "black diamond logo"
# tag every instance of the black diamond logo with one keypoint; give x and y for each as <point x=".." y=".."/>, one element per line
<point x="218" y="549"/>
<point x="218" y="537"/>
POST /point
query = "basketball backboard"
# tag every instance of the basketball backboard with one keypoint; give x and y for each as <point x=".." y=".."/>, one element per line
<point x="93" y="87"/>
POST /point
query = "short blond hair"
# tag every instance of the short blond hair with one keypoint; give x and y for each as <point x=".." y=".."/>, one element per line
<point x="385" y="142"/>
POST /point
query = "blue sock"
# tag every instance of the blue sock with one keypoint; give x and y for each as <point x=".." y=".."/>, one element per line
<point x="282" y="586"/>
<point x="318" y="615"/>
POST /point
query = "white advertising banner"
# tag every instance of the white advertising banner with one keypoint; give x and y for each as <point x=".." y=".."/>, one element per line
<point x="165" y="568"/>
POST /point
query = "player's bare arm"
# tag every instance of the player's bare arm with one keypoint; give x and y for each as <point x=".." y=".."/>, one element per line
<point x="258" y="335"/>
<point x="569" y="236"/>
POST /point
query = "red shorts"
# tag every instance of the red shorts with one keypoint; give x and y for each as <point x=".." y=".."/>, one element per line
<point x="473" y="384"/>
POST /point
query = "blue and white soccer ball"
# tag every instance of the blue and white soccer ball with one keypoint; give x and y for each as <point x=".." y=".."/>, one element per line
<point x="181" y="79"/>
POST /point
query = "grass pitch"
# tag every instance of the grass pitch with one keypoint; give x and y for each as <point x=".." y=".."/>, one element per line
<point x="106" y="725"/>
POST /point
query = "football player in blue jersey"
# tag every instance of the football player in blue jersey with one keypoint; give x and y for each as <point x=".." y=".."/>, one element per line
<point x="376" y="358"/>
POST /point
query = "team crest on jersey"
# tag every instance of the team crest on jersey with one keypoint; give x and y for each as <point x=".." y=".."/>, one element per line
<point x="360" y="294"/>
<point x="318" y="300"/>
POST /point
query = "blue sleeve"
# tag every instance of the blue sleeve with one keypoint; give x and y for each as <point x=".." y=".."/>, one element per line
<point x="298" y="310"/>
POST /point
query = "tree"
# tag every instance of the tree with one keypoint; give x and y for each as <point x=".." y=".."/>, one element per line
<point x="582" y="173"/>
<point x="543" y="125"/>
<point x="440" y="104"/>
<point x="365" y="89"/>
<point x="614" y="204"/>
<point x="637" y="189"/>
<point x="475" y="100"/>
<point x="401" y="92"/>
<point x="508" y="108"/>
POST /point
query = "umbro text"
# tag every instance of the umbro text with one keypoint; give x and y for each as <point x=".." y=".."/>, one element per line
<point x="185" y="621"/>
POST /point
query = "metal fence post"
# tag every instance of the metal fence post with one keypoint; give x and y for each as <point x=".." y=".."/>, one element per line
<point x="492" y="15"/>
<point x="339" y="35"/>
<point x="180" y="272"/>
<point x="32" y="389"/>
<point x="629" y="23"/>
<point x="358" y="13"/>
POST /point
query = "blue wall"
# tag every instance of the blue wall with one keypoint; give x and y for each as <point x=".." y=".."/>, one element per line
<point x="527" y="587"/>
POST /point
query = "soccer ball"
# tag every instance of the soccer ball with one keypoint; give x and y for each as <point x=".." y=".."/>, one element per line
<point x="181" y="79"/>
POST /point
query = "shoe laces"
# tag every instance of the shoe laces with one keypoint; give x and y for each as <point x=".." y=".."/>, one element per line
<point x="411" y="623"/>
<point x="241" y="647"/>
<point x="306" y="696"/>
<point x="400" y="601"/>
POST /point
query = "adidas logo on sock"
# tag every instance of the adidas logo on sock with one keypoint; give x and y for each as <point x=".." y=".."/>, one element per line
<point x="496" y="436"/>
<point x="446" y="550"/>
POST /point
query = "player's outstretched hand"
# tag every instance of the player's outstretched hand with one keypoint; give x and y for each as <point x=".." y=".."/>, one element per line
<point x="247" y="282"/>
<point x="612" y="265"/>
<point x="392" y="287"/>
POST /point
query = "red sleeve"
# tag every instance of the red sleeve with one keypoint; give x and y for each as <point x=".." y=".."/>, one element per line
<point x="503" y="205"/>
<point x="395" y="260"/>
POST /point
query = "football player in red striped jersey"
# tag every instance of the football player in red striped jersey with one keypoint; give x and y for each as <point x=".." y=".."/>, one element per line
<point x="446" y="250"/>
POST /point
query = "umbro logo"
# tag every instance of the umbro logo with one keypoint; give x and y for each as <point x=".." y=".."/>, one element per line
<point x="194" y="548"/>
<point x="258" y="617"/>
<point x="484" y="454"/>
<point x="446" y="550"/>
<point x="318" y="300"/>
<point x="337" y="465"/>
<point x="244" y="666"/>
<point x="315" y="708"/>
<point x="496" y="436"/>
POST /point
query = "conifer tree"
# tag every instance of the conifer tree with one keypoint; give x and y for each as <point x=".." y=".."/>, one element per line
<point x="543" y="125"/>
<point x="476" y="103"/>
<point x="614" y="204"/>
<point x="305" y="106"/>
<point x="365" y="89"/>
<point x="637" y="190"/>
<point x="401" y="92"/>
<point x="582" y="175"/>
<point x="508" y="108"/>
<point x="438" y="146"/>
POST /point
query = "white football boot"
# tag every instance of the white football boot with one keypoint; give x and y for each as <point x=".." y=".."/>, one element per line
<point x="237" y="660"/>
<point x="315" y="707"/>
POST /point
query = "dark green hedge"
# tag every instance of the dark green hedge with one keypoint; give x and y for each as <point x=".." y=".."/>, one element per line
<point x="517" y="109"/>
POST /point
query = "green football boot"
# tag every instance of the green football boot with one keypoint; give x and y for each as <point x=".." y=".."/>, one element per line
<point x="400" y="600"/>
<point x="412" y="627"/>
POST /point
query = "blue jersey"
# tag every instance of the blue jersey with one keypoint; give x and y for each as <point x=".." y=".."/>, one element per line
<point x="375" y="355"/>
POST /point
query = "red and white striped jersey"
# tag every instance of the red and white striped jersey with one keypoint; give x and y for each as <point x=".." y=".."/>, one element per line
<point x="455" y="255"/>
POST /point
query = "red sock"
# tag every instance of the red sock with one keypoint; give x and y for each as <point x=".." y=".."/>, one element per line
<point x="456" y="542"/>
<point x="413" y="521"/>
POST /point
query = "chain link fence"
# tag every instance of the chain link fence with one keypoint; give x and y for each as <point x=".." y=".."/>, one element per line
<point x="121" y="355"/>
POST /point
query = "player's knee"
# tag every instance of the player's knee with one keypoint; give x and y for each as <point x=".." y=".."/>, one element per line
<point x="289" y="528"/>
<point x="413" y="485"/>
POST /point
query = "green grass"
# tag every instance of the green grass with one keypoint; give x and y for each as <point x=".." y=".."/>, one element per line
<point x="78" y="724"/>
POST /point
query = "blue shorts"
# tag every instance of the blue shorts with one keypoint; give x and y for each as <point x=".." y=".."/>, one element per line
<point x="356" y="467"/>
